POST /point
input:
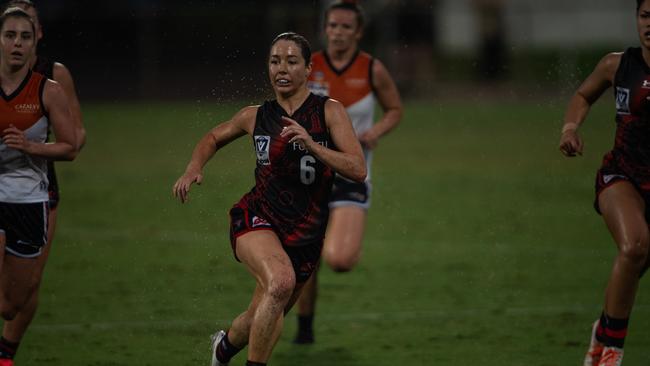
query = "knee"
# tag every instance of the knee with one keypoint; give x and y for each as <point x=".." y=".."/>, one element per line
<point x="339" y="263"/>
<point x="281" y="286"/>
<point x="635" y="251"/>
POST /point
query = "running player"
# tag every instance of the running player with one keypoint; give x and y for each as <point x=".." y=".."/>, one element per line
<point x="356" y="79"/>
<point x="277" y="228"/>
<point x="27" y="98"/>
<point x="622" y="182"/>
<point x="14" y="330"/>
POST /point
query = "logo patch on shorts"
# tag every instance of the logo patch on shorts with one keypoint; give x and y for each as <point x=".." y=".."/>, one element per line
<point x="258" y="221"/>
<point x="609" y="177"/>
<point x="262" y="145"/>
<point x="622" y="100"/>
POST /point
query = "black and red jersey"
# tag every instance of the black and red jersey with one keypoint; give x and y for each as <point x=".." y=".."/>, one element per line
<point x="631" y="150"/>
<point x="292" y="187"/>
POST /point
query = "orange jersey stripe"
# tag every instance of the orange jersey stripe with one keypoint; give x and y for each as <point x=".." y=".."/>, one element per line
<point x="348" y="85"/>
<point x="24" y="107"/>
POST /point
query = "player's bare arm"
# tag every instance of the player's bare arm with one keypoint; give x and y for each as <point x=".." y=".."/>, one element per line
<point x="348" y="161"/>
<point x="56" y="105"/>
<point x="62" y="75"/>
<point x="241" y="124"/>
<point x="390" y="102"/>
<point x="592" y="88"/>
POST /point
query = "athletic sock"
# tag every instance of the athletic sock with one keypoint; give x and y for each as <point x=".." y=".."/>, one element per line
<point x="600" y="329"/>
<point x="8" y="349"/>
<point x="253" y="363"/>
<point x="615" y="331"/>
<point x="225" y="350"/>
<point x="305" y="334"/>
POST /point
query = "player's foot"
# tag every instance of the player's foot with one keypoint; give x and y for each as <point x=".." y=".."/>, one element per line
<point x="595" y="348"/>
<point x="612" y="356"/>
<point x="304" y="338"/>
<point x="6" y="362"/>
<point x="216" y="338"/>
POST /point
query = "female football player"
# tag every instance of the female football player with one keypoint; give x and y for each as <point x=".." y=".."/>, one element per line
<point x="277" y="228"/>
<point x="622" y="182"/>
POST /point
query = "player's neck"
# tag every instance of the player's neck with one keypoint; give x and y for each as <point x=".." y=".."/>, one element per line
<point x="290" y="103"/>
<point x="342" y="57"/>
<point x="11" y="77"/>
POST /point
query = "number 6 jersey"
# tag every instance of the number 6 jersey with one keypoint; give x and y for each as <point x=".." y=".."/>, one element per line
<point x="292" y="187"/>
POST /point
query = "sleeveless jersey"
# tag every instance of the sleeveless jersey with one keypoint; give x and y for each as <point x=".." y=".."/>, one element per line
<point x="23" y="178"/>
<point x="292" y="187"/>
<point x="631" y="150"/>
<point x="351" y="85"/>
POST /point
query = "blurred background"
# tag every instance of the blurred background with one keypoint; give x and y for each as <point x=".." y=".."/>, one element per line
<point x="152" y="49"/>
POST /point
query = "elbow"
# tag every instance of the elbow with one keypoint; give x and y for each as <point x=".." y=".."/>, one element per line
<point x="70" y="154"/>
<point x="360" y="174"/>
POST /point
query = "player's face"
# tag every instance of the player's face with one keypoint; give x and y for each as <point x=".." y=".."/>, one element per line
<point x="342" y="30"/>
<point x="643" y="24"/>
<point x="287" y="68"/>
<point x="17" y="41"/>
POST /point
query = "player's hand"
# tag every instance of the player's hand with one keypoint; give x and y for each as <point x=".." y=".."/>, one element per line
<point x="369" y="139"/>
<point x="181" y="189"/>
<point x="296" y="133"/>
<point x="571" y="144"/>
<point x="15" y="139"/>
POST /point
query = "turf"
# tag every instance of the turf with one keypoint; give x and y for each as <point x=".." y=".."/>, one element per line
<point x="482" y="246"/>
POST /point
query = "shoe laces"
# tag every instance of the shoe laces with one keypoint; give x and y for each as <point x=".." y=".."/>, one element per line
<point x="611" y="357"/>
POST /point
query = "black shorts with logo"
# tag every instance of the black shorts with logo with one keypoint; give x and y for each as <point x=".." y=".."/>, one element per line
<point x="304" y="258"/>
<point x="25" y="228"/>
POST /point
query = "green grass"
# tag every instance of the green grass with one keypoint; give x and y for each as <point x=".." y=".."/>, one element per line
<point x="482" y="246"/>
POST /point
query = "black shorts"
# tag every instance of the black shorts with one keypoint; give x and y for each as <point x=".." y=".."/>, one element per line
<point x="53" y="187"/>
<point x="304" y="258"/>
<point x="608" y="175"/>
<point x="346" y="192"/>
<point x="25" y="228"/>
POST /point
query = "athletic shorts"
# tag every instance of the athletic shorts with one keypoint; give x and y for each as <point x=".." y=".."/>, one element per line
<point x="609" y="174"/>
<point x="349" y="193"/>
<point x="25" y="228"/>
<point x="53" y="187"/>
<point x="304" y="258"/>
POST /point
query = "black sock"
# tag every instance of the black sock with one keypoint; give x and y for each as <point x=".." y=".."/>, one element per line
<point x="305" y="323"/>
<point x="8" y="349"/>
<point x="615" y="331"/>
<point x="225" y="350"/>
<point x="253" y="363"/>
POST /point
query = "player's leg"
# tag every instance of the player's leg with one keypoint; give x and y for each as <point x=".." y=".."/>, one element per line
<point x="14" y="330"/>
<point x="263" y="255"/>
<point x="623" y="210"/>
<point x="341" y="251"/>
<point x="342" y="248"/>
<point x="306" y="304"/>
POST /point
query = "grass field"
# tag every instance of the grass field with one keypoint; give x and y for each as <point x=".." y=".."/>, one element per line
<point x="482" y="248"/>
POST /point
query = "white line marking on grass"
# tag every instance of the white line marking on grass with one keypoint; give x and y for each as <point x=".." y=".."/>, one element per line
<point x="365" y="316"/>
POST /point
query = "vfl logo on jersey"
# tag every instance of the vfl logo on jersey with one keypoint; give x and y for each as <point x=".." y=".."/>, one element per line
<point x="262" y="144"/>
<point x="622" y="100"/>
<point x="319" y="88"/>
<point x="646" y="84"/>
<point x="258" y="221"/>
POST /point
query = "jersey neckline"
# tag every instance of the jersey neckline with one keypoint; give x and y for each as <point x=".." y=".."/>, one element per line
<point x="299" y="109"/>
<point x="342" y="70"/>
<point x="20" y="88"/>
